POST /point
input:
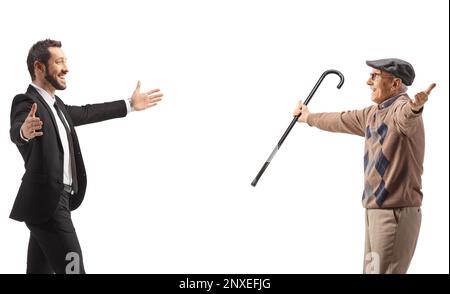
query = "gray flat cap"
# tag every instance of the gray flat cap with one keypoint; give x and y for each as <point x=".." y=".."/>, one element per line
<point x="397" y="67"/>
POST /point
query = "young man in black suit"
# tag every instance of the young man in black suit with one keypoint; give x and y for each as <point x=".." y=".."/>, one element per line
<point x="54" y="183"/>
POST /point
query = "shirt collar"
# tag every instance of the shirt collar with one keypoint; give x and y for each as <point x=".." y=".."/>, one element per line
<point x="47" y="97"/>
<point x="388" y="102"/>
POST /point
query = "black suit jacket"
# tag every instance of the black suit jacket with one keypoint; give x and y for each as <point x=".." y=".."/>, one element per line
<point x="42" y="182"/>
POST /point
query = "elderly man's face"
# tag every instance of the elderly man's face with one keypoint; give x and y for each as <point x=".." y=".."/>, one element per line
<point x="381" y="84"/>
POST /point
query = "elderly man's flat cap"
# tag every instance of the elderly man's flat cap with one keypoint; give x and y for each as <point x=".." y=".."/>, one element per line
<point x="397" y="67"/>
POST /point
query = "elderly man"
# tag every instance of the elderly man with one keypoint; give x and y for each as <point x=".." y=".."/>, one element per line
<point x="393" y="162"/>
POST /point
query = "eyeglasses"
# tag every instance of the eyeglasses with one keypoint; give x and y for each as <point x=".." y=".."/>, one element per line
<point x="373" y="75"/>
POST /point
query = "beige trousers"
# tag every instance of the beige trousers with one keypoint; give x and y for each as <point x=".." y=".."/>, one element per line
<point x="391" y="238"/>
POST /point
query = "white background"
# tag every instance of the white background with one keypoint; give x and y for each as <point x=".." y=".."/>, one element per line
<point x="169" y="188"/>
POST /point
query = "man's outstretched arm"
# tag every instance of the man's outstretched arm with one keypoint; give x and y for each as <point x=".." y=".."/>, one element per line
<point x="407" y="114"/>
<point x="25" y="125"/>
<point x="92" y="113"/>
<point x="350" y="122"/>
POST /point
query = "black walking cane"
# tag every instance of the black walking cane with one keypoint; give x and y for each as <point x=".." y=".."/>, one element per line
<point x="286" y="133"/>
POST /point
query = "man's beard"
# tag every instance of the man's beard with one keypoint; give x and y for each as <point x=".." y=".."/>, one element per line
<point x="53" y="81"/>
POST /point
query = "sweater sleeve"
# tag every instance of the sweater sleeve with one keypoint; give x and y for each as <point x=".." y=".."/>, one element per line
<point x="405" y="118"/>
<point x="350" y="122"/>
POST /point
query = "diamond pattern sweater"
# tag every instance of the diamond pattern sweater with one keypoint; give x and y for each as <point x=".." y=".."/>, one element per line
<point x="393" y="152"/>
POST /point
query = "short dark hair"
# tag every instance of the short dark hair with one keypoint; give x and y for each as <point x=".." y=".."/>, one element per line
<point x="39" y="52"/>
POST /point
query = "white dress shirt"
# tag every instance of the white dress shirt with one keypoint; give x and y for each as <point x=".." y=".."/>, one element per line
<point x="67" y="171"/>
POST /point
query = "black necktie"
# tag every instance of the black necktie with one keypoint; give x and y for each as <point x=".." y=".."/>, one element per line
<point x="72" y="153"/>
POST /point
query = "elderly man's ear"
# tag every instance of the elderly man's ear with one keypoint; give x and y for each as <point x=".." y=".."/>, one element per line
<point x="397" y="84"/>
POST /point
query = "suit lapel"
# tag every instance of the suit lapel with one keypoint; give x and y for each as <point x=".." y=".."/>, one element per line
<point x="33" y="92"/>
<point x="63" y="109"/>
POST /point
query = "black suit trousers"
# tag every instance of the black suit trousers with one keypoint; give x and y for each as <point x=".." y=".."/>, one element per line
<point x="53" y="245"/>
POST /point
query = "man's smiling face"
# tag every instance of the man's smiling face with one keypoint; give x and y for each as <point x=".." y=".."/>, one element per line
<point x="56" y="70"/>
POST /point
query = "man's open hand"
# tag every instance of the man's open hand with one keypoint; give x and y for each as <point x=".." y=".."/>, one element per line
<point x="32" y="124"/>
<point x="145" y="100"/>
<point x="421" y="97"/>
